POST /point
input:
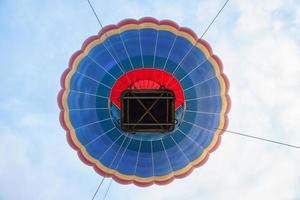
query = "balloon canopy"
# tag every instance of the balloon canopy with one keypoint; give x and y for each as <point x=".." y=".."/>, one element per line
<point x="124" y="73"/>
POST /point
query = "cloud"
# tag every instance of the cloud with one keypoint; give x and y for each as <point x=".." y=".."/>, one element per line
<point x="258" y="44"/>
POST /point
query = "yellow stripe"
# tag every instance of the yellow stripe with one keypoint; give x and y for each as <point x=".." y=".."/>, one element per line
<point x="114" y="172"/>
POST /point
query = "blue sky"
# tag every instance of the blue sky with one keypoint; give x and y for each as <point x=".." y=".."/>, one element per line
<point x="259" y="44"/>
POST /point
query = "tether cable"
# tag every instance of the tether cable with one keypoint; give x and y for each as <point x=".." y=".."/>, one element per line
<point x="208" y="27"/>
<point x="243" y="134"/>
<point x="107" y="189"/>
<point x="260" y="138"/>
<point x="98" y="188"/>
<point x="95" y="13"/>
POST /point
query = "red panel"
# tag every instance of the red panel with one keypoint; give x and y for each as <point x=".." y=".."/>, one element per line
<point x="147" y="79"/>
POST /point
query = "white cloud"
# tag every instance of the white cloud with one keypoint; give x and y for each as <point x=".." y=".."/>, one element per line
<point x="260" y="58"/>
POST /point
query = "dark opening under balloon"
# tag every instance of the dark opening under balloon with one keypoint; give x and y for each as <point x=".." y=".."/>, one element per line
<point x="148" y="110"/>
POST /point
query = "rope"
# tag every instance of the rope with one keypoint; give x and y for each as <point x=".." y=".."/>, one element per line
<point x="260" y="138"/>
<point x="214" y="19"/>
<point x="95" y="13"/>
<point x="245" y="135"/>
<point x="98" y="188"/>
<point x="106" y="192"/>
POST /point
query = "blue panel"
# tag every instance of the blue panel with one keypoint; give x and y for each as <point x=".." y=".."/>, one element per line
<point x="80" y="101"/>
<point x="81" y="84"/>
<point x="109" y="152"/>
<point x="96" y="146"/>
<point x="148" y="42"/>
<point x="161" y="163"/>
<point x="85" y="117"/>
<point x="133" y="46"/>
<point x="176" y="156"/>
<point x="194" y="59"/>
<point x="211" y="87"/>
<point x="199" y="74"/>
<point x="128" y="162"/>
<point x="164" y="44"/>
<point x="94" y="131"/>
<point x="96" y="72"/>
<point x="206" y="104"/>
<point x="204" y="120"/>
<point x="144" y="166"/>
<point x="178" y="53"/>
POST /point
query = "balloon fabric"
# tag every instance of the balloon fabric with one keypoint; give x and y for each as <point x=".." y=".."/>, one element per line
<point x="144" y="54"/>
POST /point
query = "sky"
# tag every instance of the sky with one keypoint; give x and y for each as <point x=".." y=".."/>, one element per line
<point x="259" y="45"/>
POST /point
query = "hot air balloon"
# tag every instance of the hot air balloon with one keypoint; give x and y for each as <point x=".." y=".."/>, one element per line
<point x="144" y="101"/>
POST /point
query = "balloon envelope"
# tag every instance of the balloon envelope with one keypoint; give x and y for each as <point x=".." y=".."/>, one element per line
<point x="144" y="54"/>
